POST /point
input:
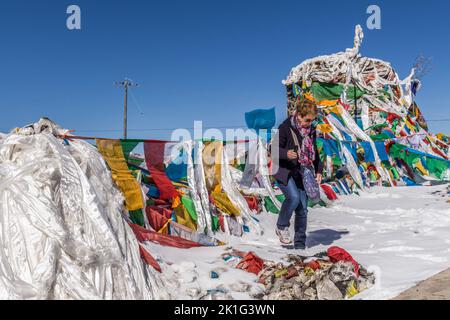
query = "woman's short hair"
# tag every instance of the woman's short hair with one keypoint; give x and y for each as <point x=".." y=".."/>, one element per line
<point x="306" y="107"/>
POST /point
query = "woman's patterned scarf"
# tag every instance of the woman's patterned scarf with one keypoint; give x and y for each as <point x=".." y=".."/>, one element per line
<point x="307" y="153"/>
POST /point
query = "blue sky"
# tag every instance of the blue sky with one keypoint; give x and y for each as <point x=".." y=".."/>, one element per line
<point x="196" y="60"/>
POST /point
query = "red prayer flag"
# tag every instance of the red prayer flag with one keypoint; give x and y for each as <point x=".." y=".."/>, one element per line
<point x="148" y="258"/>
<point x="143" y="234"/>
<point x="154" y="158"/>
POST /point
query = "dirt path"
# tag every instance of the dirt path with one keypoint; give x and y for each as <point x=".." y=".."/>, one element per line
<point x="434" y="288"/>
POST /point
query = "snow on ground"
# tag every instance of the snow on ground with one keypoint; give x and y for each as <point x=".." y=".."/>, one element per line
<point x="402" y="234"/>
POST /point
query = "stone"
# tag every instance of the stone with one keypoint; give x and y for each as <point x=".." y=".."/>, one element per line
<point x="310" y="294"/>
<point x="326" y="290"/>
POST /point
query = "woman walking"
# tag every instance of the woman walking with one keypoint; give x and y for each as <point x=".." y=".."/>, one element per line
<point x="297" y="150"/>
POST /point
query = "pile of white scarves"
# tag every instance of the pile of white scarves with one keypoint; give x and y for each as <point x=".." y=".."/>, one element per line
<point x="350" y="68"/>
<point x="63" y="234"/>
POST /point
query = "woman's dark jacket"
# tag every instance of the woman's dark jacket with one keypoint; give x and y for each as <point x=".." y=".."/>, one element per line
<point x="291" y="168"/>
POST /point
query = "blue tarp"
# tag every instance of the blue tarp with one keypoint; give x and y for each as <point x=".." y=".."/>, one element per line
<point x="260" y="119"/>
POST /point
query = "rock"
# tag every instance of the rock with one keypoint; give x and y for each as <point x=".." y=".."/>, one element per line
<point x="301" y="279"/>
<point x="276" y="286"/>
<point x="366" y="278"/>
<point x="259" y="296"/>
<point x="288" y="285"/>
<point x="193" y="292"/>
<point x="342" y="271"/>
<point x="326" y="290"/>
<point x="310" y="294"/>
<point x="294" y="258"/>
<point x="342" y="286"/>
<point x="321" y="279"/>
<point x="309" y="281"/>
<point x="297" y="291"/>
<point x="281" y="295"/>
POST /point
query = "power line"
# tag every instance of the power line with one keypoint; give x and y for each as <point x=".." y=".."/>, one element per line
<point x="190" y="128"/>
<point x="136" y="103"/>
<point x="160" y="129"/>
<point x="440" y="120"/>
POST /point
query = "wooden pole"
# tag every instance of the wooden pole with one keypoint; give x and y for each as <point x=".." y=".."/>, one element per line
<point x="126" y="84"/>
<point x="125" y="111"/>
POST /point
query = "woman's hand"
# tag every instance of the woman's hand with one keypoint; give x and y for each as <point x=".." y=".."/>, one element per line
<point x="319" y="178"/>
<point x="292" y="155"/>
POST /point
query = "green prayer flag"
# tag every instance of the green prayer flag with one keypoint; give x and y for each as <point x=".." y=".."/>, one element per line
<point x="190" y="207"/>
<point x="127" y="147"/>
<point x="215" y="222"/>
<point x="437" y="167"/>
<point x="380" y="137"/>
<point x="137" y="217"/>
<point x="328" y="91"/>
<point x="270" y="206"/>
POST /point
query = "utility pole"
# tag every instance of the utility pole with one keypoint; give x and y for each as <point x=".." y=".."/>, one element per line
<point x="126" y="84"/>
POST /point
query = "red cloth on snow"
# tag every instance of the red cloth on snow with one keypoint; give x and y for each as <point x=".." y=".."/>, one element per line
<point x="148" y="258"/>
<point x="251" y="263"/>
<point x="154" y="158"/>
<point x="143" y="234"/>
<point x="337" y="254"/>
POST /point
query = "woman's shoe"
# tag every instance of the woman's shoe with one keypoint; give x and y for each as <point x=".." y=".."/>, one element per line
<point x="283" y="235"/>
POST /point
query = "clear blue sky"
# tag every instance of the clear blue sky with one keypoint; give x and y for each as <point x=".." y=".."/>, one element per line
<point x="196" y="60"/>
